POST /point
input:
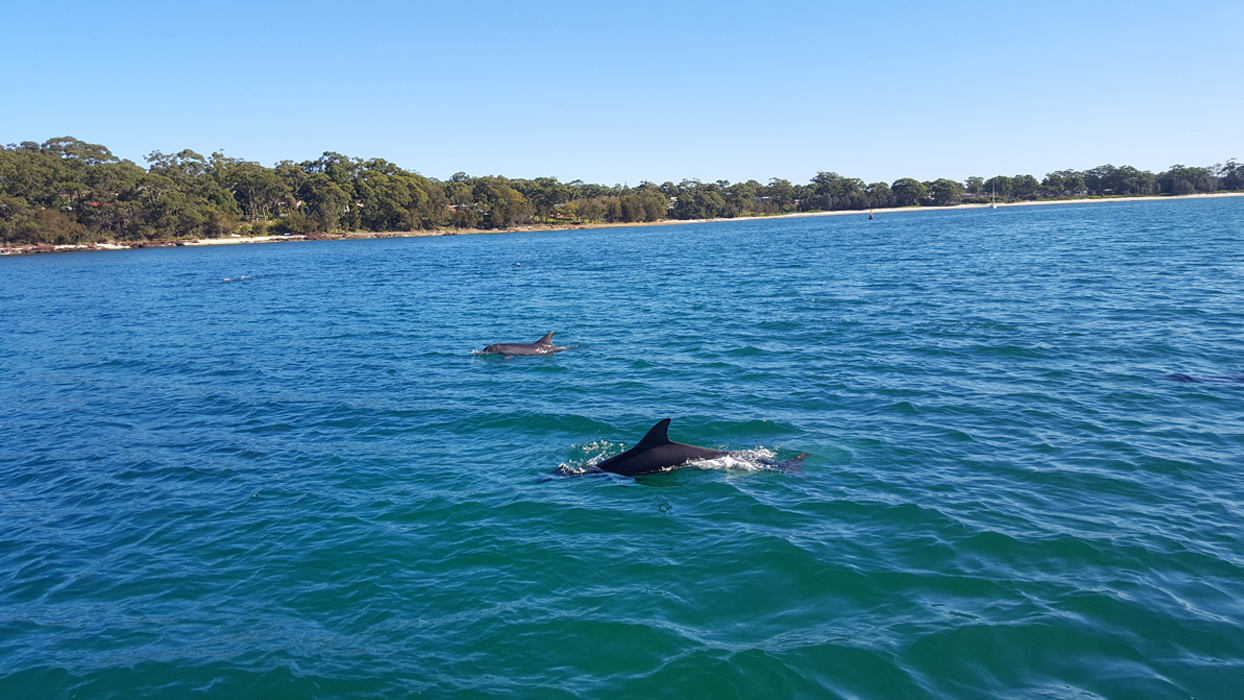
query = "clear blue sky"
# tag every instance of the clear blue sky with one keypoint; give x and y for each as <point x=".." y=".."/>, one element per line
<point x="624" y="92"/>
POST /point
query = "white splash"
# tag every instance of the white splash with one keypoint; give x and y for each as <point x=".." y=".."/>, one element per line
<point x="755" y="460"/>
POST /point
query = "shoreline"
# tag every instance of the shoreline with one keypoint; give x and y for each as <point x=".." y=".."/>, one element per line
<point x="358" y="235"/>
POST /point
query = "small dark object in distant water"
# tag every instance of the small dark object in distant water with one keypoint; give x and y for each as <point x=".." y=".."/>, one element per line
<point x="656" y="453"/>
<point x="543" y="346"/>
<point x="1220" y="378"/>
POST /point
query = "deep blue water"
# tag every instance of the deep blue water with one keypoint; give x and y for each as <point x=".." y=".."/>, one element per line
<point x="279" y="471"/>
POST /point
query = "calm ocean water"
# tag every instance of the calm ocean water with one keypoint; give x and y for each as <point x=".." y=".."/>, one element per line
<point x="279" y="471"/>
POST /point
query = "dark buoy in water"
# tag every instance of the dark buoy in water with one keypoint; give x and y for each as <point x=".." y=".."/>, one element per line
<point x="870" y="216"/>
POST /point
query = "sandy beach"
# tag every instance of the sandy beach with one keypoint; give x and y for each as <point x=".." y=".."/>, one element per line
<point x="288" y="238"/>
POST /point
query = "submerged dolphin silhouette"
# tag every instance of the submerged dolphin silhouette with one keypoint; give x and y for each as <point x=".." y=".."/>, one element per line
<point x="543" y="346"/>
<point x="1207" y="378"/>
<point x="656" y="453"/>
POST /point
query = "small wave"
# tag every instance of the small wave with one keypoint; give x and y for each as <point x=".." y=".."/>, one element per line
<point x="585" y="456"/>
<point x="759" y="459"/>
<point x="564" y="469"/>
<point x="733" y="460"/>
<point x="238" y="279"/>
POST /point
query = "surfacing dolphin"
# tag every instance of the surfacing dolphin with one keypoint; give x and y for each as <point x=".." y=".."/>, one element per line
<point x="657" y="453"/>
<point x="543" y="346"/>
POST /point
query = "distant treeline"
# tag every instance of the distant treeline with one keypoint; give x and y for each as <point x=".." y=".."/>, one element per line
<point x="67" y="191"/>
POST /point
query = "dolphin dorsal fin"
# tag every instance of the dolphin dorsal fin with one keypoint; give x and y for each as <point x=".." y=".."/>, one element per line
<point x="546" y="340"/>
<point x="656" y="436"/>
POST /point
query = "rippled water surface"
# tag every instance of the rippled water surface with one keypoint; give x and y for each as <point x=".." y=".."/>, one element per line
<point x="279" y="470"/>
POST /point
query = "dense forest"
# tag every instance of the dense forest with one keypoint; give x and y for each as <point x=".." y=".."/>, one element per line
<point x="66" y="191"/>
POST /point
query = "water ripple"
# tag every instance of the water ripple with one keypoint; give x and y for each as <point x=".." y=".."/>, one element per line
<point x="279" y="471"/>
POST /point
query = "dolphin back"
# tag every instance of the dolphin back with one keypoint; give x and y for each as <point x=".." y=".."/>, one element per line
<point x="656" y="453"/>
<point x="543" y="346"/>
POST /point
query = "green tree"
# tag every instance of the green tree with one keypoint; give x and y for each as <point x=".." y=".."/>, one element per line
<point x="645" y="204"/>
<point x="502" y="206"/>
<point x="1129" y="180"/>
<point x="259" y="191"/>
<point x="37" y="225"/>
<point x="545" y="194"/>
<point x="909" y="192"/>
<point x="1107" y="179"/>
<point x="1231" y="175"/>
<point x="185" y="198"/>
<point x="589" y="210"/>
<point x="880" y="195"/>
<point x="999" y="185"/>
<point x="781" y="193"/>
<point x="326" y="202"/>
<point x="1181" y="179"/>
<point x="1024" y="186"/>
<point x="740" y="197"/>
<point x="946" y="192"/>
<point x="698" y="201"/>
<point x="833" y="191"/>
<point x="1063" y="183"/>
<point x="387" y="202"/>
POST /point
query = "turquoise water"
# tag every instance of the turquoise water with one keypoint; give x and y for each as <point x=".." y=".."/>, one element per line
<point x="279" y="471"/>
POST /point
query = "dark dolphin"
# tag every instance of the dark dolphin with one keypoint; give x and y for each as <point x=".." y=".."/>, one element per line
<point x="656" y="453"/>
<point x="543" y="346"/>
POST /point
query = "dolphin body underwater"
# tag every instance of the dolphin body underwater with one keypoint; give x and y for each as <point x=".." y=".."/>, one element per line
<point x="657" y="453"/>
<point x="1239" y="379"/>
<point x="543" y="346"/>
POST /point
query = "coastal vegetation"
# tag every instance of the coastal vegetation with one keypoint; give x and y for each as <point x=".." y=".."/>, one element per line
<point x="66" y="191"/>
